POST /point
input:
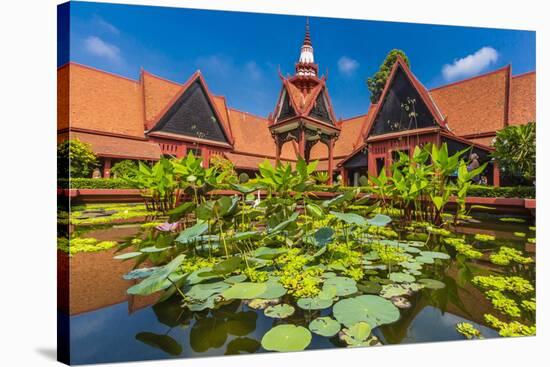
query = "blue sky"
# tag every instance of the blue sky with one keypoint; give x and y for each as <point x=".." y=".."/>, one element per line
<point x="240" y="53"/>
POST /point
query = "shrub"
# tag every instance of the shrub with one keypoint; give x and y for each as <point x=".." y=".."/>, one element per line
<point x="515" y="151"/>
<point x="75" y="159"/>
<point x="124" y="168"/>
<point x="94" y="183"/>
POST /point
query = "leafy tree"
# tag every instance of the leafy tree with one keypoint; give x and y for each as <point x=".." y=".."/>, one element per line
<point x="515" y="151"/>
<point x="75" y="158"/>
<point x="377" y="82"/>
<point x="124" y="168"/>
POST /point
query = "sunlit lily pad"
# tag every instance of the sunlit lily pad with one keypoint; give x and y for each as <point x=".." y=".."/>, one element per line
<point x="356" y="335"/>
<point x="344" y="286"/>
<point x="424" y="259"/>
<point x="279" y="311"/>
<point x="314" y="303"/>
<point x="245" y="290"/>
<point x="372" y="309"/>
<point x="379" y="220"/>
<point x="432" y="283"/>
<point x="324" y="326"/>
<point x="286" y="338"/>
<point x="350" y="218"/>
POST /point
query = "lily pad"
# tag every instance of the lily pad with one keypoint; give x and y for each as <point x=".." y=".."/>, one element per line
<point x="401" y="278"/>
<point x="324" y="326"/>
<point x="424" y="259"/>
<point x="314" y="303"/>
<point x="286" y="338"/>
<point x="432" y="283"/>
<point x="204" y="290"/>
<point x="344" y="286"/>
<point x="227" y="266"/>
<point x="369" y="287"/>
<point x="279" y="311"/>
<point x="435" y="255"/>
<point x="357" y="334"/>
<point x="245" y="290"/>
<point x="372" y="309"/>
<point x="260" y="304"/>
<point x="268" y="253"/>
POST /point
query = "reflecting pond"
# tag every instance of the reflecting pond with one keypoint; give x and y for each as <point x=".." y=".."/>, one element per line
<point x="108" y="325"/>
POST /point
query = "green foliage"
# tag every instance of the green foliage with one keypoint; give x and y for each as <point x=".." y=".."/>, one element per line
<point x="510" y="329"/>
<point x="377" y="82"/>
<point x="507" y="255"/>
<point x="94" y="183"/>
<point x="512" y="284"/>
<point x="515" y="150"/>
<point x="286" y="338"/>
<point x="324" y="326"/>
<point x="75" y="159"/>
<point x="243" y="178"/>
<point x="76" y="245"/>
<point x="124" y="168"/>
<point x="468" y="330"/>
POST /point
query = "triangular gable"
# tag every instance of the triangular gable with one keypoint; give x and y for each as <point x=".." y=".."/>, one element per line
<point x="404" y="104"/>
<point x="320" y="109"/>
<point x="286" y="109"/>
<point x="193" y="113"/>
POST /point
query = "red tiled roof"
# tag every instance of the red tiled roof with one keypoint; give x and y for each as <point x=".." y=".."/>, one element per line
<point x="475" y="105"/>
<point x="157" y="93"/>
<point x="102" y="101"/>
<point x="117" y="147"/>
<point x="523" y="100"/>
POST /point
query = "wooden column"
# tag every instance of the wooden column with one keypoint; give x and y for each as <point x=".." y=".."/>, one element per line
<point x="278" y="148"/>
<point x="205" y="157"/>
<point x="302" y="143"/>
<point x="496" y="174"/>
<point x="344" y="173"/>
<point x="330" y="160"/>
<point x="372" y="163"/>
<point x="107" y="168"/>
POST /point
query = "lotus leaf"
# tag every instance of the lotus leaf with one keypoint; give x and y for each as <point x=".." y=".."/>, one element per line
<point x="286" y="338"/>
<point x="158" y="280"/>
<point x="205" y="290"/>
<point x="379" y="220"/>
<point x="192" y="233"/>
<point x="139" y="273"/>
<point x="260" y="304"/>
<point x="369" y="287"/>
<point x="372" y="309"/>
<point x="279" y="311"/>
<point x="128" y="255"/>
<point x="268" y="252"/>
<point x="324" y="326"/>
<point x="245" y="290"/>
<point x="227" y="266"/>
<point x="323" y="236"/>
<point x="350" y="218"/>
<point x="209" y="302"/>
<point x="424" y="259"/>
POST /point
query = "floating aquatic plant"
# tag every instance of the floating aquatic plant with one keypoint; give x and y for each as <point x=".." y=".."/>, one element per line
<point x="468" y="330"/>
<point x="324" y="326"/>
<point x="286" y="338"/>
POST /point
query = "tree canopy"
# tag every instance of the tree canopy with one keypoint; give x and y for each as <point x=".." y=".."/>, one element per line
<point x="515" y="151"/>
<point x="377" y="82"/>
<point x="75" y="158"/>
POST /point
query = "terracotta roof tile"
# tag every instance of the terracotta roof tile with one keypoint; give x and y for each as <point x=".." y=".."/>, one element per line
<point x="157" y="93"/>
<point x="475" y="105"/>
<point x="523" y="99"/>
<point x="104" y="102"/>
<point x="111" y="146"/>
<point x="63" y="88"/>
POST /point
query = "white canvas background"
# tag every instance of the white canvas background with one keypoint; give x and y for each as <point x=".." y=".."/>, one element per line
<point x="27" y="196"/>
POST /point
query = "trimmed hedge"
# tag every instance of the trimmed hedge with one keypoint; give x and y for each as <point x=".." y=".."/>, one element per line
<point x="478" y="191"/>
<point x="94" y="183"/>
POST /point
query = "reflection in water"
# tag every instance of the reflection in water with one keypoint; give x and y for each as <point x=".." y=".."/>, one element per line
<point x="107" y="325"/>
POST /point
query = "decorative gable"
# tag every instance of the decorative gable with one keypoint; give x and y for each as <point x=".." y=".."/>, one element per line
<point x="193" y="114"/>
<point x="286" y="110"/>
<point x="320" y="109"/>
<point x="402" y="107"/>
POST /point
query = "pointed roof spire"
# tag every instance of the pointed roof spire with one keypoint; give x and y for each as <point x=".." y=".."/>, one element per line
<point x="307" y="39"/>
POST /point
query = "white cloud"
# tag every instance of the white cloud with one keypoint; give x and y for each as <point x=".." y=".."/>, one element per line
<point x="470" y="65"/>
<point x="253" y="70"/>
<point x="347" y="66"/>
<point x="98" y="47"/>
<point x="106" y="26"/>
